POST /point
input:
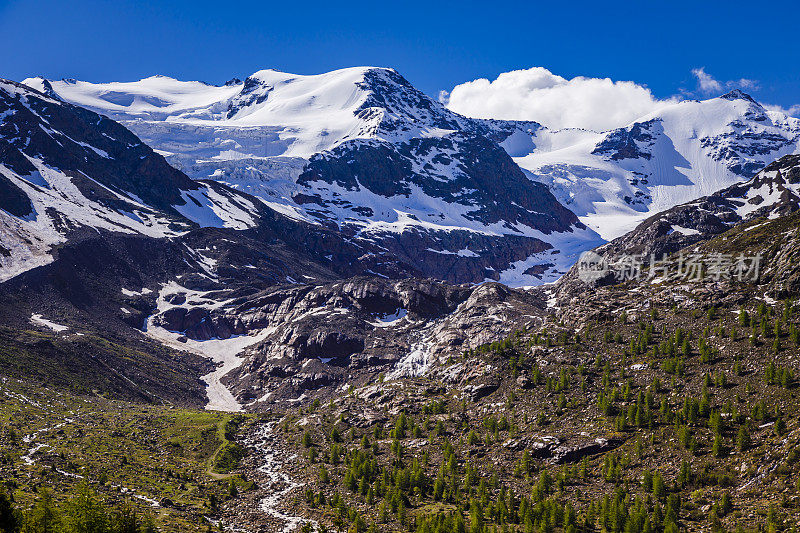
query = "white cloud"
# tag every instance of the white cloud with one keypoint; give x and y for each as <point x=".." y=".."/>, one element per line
<point x="706" y="82"/>
<point x="537" y="94"/>
<point x="744" y="83"/>
<point x="793" y="111"/>
<point x="708" y="85"/>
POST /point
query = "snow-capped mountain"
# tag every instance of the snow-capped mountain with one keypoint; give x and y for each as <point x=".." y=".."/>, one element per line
<point x="271" y="113"/>
<point x="773" y="192"/>
<point x="614" y="180"/>
<point x="65" y="169"/>
<point x="92" y="221"/>
<point x="362" y="152"/>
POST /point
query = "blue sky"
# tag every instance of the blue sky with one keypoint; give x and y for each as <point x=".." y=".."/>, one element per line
<point x="434" y="45"/>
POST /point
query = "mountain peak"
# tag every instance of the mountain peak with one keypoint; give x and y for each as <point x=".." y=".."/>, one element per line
<point x="13" y="88"/>
<point x="271" y="76"/>
<point x="738" y="94"/>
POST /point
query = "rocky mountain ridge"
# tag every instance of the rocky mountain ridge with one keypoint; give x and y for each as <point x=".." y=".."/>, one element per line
<point x="289" y="140"/>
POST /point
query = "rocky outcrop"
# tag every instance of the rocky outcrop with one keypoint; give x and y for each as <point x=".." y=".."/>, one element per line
<point x="564" y="453"/>
<point x="315" y="337"/>
<point x="631" y="142"/>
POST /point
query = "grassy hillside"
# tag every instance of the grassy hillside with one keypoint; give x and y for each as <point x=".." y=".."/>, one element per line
<point x="167" y="464"/>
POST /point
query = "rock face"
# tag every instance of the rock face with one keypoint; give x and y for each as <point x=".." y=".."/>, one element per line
<point x="629" y="143"/>
<point x="386" y="170"/>
<point x="318" y="336"/>
<point x="65" y="169"/>
<point x="80" y="142"/>
<point x="13" y="200"/>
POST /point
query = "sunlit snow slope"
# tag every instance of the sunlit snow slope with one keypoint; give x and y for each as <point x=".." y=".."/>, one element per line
<point x="362" y="151"/>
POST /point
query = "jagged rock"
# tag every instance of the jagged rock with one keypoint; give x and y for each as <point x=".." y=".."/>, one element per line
<point x="570" y="454"/>
<point x="369" y="418"/>
<point x="306" y="381"/>
<point x="524" y="382"/>
<point x="172" y="319"/>
<point x="476" y="392"/>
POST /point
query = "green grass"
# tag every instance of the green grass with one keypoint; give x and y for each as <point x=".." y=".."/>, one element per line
<point x="152" y="451"/>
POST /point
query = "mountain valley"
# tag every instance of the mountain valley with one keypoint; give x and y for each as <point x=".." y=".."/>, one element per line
<point x="329" y="303"/>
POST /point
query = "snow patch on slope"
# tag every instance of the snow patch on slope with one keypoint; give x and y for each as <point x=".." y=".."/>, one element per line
<point x="41" y="321"/>
<point x="208" y="208"/>
<point x="224" y="352"/>
<point x="58" y="206"/>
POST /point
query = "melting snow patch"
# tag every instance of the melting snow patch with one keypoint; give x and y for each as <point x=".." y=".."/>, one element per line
<point x="754" y="227"/>
<point x="683" y="231"/>
<point x="225" y="351"/>
<point x="414" y="364"/>
<point x="39" y="320"/>
<point x="466" y="252"/>
<point x="390" y="320"/>
<point x="98" y="151"/>
<point x="151" y="501"/>
<point x="142" y="292"/>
